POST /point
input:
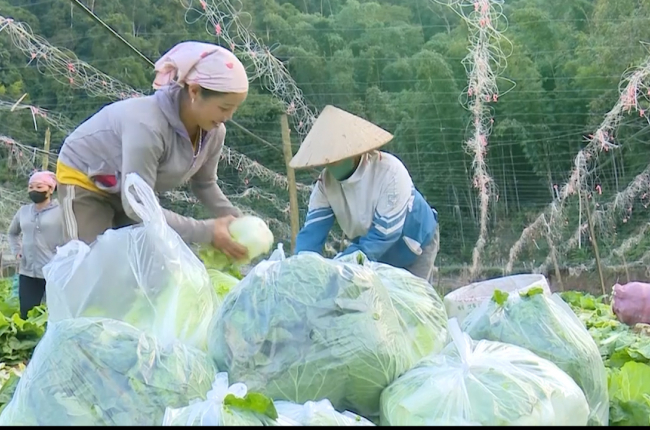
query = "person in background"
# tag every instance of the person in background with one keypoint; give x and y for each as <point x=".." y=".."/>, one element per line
<point x="171" y="137"/>
<point x="41" y="226"/>
<point x="369" y="193"/>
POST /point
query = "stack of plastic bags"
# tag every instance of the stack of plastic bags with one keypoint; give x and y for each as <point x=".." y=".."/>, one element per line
<point x="483" y="383"/>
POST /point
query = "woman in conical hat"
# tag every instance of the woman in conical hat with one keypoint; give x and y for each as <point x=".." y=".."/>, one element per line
<point x="370" y="194"/>
<point x="169" y="138"/>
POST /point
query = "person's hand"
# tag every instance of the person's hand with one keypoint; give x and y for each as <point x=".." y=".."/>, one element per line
<point x="19" y="256"/>
<point x="222" y="240"/>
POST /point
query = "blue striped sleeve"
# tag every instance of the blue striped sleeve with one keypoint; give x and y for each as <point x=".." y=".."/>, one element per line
<point x="318" y="223"/>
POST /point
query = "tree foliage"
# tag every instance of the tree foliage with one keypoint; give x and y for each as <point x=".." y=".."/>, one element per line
<point x="397" y="63"/>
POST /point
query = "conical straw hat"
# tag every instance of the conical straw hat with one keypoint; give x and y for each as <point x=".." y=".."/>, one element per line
<point x="337" y="135"/>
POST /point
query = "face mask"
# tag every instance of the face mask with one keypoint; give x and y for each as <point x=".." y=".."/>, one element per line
<point x="38" y="196"/>
<point x="343" y="169"/>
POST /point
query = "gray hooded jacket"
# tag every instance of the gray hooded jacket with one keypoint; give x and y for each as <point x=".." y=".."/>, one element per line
<point x="145" y="135"/>
<point x="41" y="231"/>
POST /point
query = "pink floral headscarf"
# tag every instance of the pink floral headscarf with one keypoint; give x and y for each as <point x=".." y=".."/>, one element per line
<point x="210" y="66"/>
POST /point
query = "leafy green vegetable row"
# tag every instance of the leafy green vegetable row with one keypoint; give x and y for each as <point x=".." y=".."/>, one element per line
<point x="626" y="354"/>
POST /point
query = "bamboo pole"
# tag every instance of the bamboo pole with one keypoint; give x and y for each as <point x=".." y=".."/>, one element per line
<point x="46" y="148"/>
<point x="594" y="242"/>
<point x="291" y="180"/>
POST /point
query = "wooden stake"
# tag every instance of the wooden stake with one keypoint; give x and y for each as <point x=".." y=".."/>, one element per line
<point x="627" y="272"/>
<point x="555" y="264"/>
<point x="10" y="157"/>
<point x="46" y="148"/>
<point x="291" y="179"/>
<point x="551" y="246"/>
<point x="594" y="242"/>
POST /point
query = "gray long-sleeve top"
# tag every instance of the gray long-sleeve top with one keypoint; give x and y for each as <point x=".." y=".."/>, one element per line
<point x="145" y="135"/>
<point x="41" y="231"/>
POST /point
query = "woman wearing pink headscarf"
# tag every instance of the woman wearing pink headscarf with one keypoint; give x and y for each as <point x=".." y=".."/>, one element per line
<point x="40" y="225"/>
<point x="171" y="137"/>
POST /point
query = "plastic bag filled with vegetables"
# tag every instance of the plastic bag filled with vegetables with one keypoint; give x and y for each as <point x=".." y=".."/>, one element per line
<point x="309" y="328"/>
<point x="483" y="383"/>
<point x="143" y="274"/>
<point x="317" y="414"/>
<point x="251" y="232"/>
<point x="101" y="372"/>
<point x="546" y="326"/>
<point x="225" y="406"/>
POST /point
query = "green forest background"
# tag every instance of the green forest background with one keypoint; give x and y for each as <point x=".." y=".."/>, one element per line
<point x="397" y="63"/>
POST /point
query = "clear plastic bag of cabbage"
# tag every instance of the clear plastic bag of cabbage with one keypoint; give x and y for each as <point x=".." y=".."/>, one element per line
<point x="316" y="414"/>
<point x="310" y="328"/>
<point x="143" y="274"/>
<point x="225" y="406"/>
<point x="546" y="326"/>
<point x="483" y="383"/>
<point x="96" y="372"/>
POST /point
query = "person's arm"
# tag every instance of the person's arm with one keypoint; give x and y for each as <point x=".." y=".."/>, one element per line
<point x="14" y="234"/>
<point x="205" y="188"/>
<point x="389" y="217"/>
<point x="142" y="149"/>
<point x="318" y="223"/>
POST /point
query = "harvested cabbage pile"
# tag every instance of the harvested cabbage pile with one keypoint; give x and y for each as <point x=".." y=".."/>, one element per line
<point x="546" y="326"/>
<point x="251" y="232"/>
<point x="483" y="383"/>
<point x="225" y="406"/>
<point x="309" y="328"/>
<point x="100" y="372"/>
<point x="316" y="414"/>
